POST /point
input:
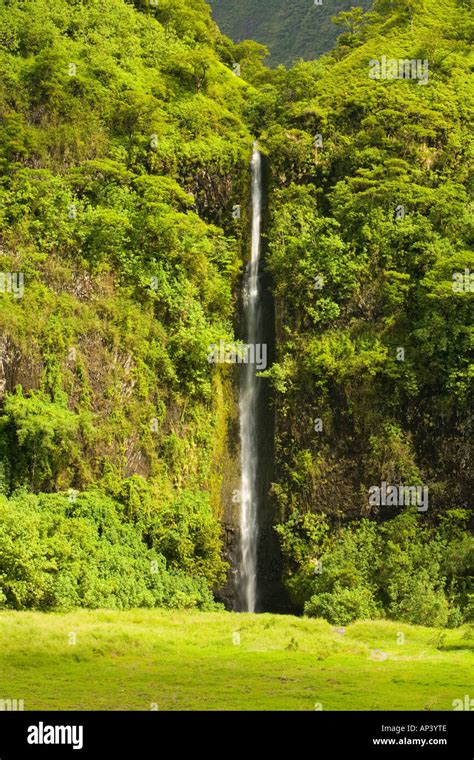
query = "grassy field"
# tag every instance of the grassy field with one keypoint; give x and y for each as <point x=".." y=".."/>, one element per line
<point x="154" y="659"/>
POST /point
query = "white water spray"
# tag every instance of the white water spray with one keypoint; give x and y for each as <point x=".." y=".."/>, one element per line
<point x="249" y="405"/>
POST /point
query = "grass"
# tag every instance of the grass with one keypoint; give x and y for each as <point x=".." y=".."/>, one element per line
<point x="167" y="660"/>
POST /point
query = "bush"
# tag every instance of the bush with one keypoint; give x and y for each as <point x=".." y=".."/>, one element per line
<point x="404" y="568"/>
<point x="56" y="555"/>
<point x="41" y="441"/>
<point x="188" y="535"/>
<point x="415" y="600"/>
<point x="343" y="605"/>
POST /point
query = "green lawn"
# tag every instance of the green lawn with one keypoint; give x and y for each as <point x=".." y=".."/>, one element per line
<point x="189" y="661"/>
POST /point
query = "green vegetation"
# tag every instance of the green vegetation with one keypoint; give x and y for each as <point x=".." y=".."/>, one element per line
<point x="148" y="659"/>
<point x="368" y="225"/>
<point x="91" y="552"/>
<point x="125" y="136"/>
<point x="123" y="151"/>
<point x="402" y="568"/>
<point x="299" y="29"/>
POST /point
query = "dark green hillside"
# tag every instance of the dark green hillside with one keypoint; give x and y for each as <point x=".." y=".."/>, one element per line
<point x="290" y="30"/>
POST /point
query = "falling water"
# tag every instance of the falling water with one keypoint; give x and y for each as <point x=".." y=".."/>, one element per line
<point x="249" y="404"/>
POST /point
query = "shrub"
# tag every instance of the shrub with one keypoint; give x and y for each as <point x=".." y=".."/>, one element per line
<point x="188" y="535"/>
<point x="404" y="568"/>
<point x="416" y="600"/>
<point x="40" y="440"/>
<point x="56" y="554"/>
<point x="343" y="605"/>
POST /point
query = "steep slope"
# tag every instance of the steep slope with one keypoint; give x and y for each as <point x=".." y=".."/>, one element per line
<point x="369" y="243"/>
<point x="300" y="29"/>
<point x="123" y="152"/>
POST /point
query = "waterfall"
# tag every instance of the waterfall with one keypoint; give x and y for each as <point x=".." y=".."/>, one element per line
<point x="248" y="404"/>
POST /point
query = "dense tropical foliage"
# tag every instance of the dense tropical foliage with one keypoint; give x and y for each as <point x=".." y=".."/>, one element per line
<point x="126" y="130"/>
<point x="370" y="228"/>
